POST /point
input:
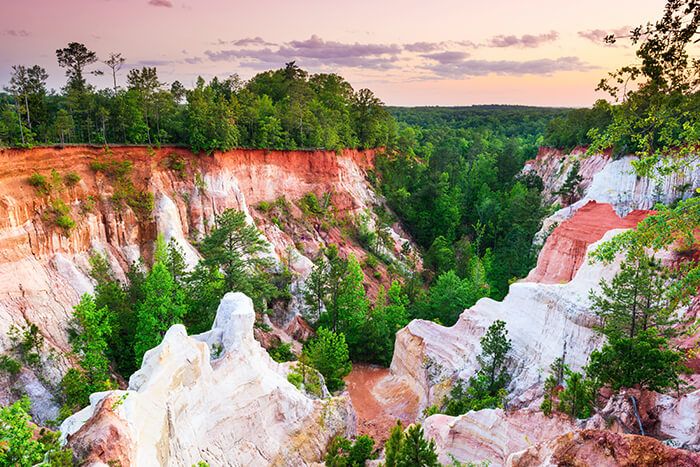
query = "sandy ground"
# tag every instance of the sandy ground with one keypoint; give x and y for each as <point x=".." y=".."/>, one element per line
<point x="372" y="417"/>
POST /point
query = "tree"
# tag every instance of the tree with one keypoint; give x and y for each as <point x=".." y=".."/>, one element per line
<point x="162" y="307"/>
<point x="636" y="299"/>
<point x="393" y="445"/>
<point x="328" y="353"/>
<point x="578" y="396"/>
<point x="495" y="346"/>
<point x="637" y="310"/>
<point x="570" y="187"/>
<point x="115" y="63"/>
<point x="647" y="360"/>
<point x="90" y="329"/>
<point x="19" y="444"/>
<point x="415" y="451"/>
<point x="235" y="250"/>
<point x="486" y="389"/>
<point x="145" y="83"/>
<point x="74" y="59"/>
<point x="342" y="453"/>
<point x="316" y="288"/>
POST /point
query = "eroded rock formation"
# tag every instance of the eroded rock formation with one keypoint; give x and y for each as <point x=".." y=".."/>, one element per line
<point x="603" y="449"/>
<point x="183" y="407"/>
<point x="544" y="322"/>
<point x="43" y="272"/>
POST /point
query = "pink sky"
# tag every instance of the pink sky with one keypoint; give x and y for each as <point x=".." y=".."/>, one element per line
<point x="440" y="52"/>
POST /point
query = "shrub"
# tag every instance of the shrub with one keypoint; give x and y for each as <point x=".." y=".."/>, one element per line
<point x="264" y="206"/>
<point x="9" y="365"/>
<point x="66" y="223"/>
<point x="71" y="178"/>
<point x="176" y="163"/>
<point x="112" y="168"/>
<point x="282" y="352"/>
<point x="40" y="183"/>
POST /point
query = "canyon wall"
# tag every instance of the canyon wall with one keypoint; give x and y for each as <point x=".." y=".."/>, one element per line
<point x="43" y="271"/>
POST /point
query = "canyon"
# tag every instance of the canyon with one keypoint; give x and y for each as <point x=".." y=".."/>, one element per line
<point x="184" y="405"/>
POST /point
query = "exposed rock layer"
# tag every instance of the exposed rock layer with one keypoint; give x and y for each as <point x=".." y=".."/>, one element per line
<point x="43" y="273"/>
<point x="181" y="407"/>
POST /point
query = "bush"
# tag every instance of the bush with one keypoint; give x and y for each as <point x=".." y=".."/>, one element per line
<point x="328" y="353"/>
<point x="176" y="163"/>
<point x="41" y="183"/>
<point x="264" y="206"/>
<point x="341" y="452"/>
<point x="66" y="223"/>
<point x="71" y="178"/>
<point x="9" y="365"/>
<point x="282" y="352"/>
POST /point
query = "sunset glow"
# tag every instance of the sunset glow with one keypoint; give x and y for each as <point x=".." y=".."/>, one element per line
<point x="451" y="52"/>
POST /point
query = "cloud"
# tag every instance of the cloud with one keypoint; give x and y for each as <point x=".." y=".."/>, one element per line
<point x="597" y="36"/>
<point x="163" y="3"/>
<point x="423" y="47"/>
<point x="447" y="57"/>
<point x="15" y="33"/>
<point x="526" y="41"/>
<point x="315" y="47"/>
<point x="314" y="52"/>
<point x="251" y="41"/>
<point x="154" y="62"/>
<point x="193" y="60"/>
<point x="543" y="67"/>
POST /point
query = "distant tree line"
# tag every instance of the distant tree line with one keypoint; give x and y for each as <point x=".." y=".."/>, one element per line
<point x="281" y="109"/>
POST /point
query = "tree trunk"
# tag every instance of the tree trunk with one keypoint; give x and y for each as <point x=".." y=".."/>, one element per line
<point x="26" y="106"/>
<point x="21" y="131"/>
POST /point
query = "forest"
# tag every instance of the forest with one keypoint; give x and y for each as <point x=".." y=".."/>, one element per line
<point x="452" y="177"/>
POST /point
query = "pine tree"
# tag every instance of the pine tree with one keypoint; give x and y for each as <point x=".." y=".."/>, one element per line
<point x="415" y="451"/>
<point x="162" y="307"/>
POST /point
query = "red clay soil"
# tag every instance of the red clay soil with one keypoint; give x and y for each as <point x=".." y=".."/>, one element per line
<point x="565" y="250"/>
<point x="372" y="418"/>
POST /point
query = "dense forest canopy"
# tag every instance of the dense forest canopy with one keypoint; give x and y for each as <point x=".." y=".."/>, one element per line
<point x="282" y="109"/>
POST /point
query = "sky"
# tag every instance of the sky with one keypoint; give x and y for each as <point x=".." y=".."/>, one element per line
<point x="410" y="52"/>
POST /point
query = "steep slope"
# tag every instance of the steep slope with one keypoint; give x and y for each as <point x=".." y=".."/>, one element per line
<point x="183" y="407"/>
<point x="43" y="271"/>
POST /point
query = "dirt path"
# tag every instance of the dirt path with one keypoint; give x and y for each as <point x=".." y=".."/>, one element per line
<point x="372" y="418"/>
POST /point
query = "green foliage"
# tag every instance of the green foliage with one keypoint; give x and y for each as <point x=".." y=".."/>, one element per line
<point x="71" y="179"/>
<point x="638" y="312"/>
<point x="232" y="261"/>
<point x="574" y="129"/>
<point x="657" y="117"/>
<point x="282" y="352"/>
<point x="450" y="296"/>
<point x="40" y="182"/>
<point x="176" y="163"/>
<point x="90" y="329"/>
<point x="21" y="444"/>
<point x="343" y="453"/>
<point x="9" y="365"/>
<point x="578" y="396"/>
<point x="163" y="306"/>
<point x="27" y="342"/>
<point x="647" y="360"/>
<point x="306" y="378"/>
<point x="328" y="353"/>
<point x="487" y="389"/>
<point x="570" y="188"/>
<point x="412" y="450"/>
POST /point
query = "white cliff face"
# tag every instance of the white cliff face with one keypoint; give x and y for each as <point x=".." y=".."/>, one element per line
<point x="182" y="407"/>
<point x="492" y="434"/>
<point x="544" y="322"/>
<point x="609" y="181"/>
